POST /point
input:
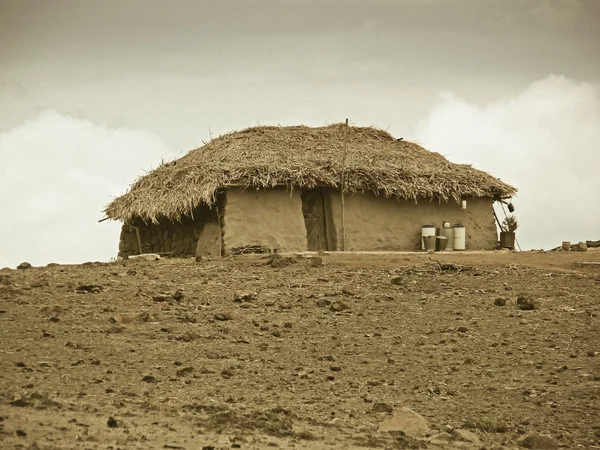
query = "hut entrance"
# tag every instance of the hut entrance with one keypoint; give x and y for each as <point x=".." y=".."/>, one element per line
<point x="317" y="215"/>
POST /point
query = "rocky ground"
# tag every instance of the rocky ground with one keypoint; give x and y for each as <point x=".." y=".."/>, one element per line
<point x="460" y="350"/>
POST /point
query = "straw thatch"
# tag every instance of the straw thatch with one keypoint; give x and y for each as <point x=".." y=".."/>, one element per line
<point x="299" y="156"/>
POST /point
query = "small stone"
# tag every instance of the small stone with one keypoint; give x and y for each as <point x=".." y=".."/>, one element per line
<point x="339" y="306"/>
<point x="245" y="297"/>
<point x="525" y="303"/>
<point x="54" y="319"/>
<point x="198" y="258"/>
<point x="348" y="290"/>
<point x="538" y="441"/>
<point x="112" y="422"/>
<point x="24" y="266"/>
<point x="188" y="336"/>
<point x="462" y="329"/>
<point x="315" y="261"/>
<point x="323" y="302"/>
<point x="226" y="373"/>
<point x="397" y="281"/>
<point x="177" y="295"/>
<point x="382" y="407"/>
<point x="89" y="289"/>
<point x="149" y="379"/>
<point x="500" y="301"/>
<point x="184" y="372"/>
<point x="20" y="433"/>
<point x="223" y="316"/>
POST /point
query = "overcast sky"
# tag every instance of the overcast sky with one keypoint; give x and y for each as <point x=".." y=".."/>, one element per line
<point x="92" y="93"/>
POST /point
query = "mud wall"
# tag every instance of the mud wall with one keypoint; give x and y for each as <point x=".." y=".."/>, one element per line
<point x="269" y="218"/>
<point x="201" y="234"/>
<point x="379" y="223"/>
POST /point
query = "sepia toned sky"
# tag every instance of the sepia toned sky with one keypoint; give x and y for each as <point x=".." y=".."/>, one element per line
<point x="92" y="93"/>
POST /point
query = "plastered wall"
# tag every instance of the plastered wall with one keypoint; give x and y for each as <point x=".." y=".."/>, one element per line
<point x="269" y="218"/>
<point x="379" y="223"/>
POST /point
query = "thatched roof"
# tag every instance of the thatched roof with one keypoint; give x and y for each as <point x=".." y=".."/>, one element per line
<point x="301" y="157"/>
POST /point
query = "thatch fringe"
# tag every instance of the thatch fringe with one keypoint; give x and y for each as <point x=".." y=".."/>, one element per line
<point x="300" y="157"/>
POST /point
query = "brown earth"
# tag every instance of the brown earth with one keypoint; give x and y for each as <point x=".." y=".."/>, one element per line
<point x="236" y="353"/>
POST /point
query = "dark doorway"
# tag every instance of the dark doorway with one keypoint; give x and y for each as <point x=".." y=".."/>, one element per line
<point x="314" y="210"/>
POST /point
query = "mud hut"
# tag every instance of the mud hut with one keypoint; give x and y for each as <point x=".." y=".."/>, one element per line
<point x="279" y="189"/>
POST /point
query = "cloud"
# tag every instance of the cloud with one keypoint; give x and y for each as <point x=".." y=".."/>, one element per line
<point x="57" y="175"/>
<point x="544" y="140"/>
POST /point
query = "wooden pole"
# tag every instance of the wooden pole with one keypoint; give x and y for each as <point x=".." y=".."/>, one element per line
<point x="344" y="187"/>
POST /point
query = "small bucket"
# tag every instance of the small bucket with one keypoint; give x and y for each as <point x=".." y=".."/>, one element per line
<point x="441" y="243"/>
<point x="429" y="242"/>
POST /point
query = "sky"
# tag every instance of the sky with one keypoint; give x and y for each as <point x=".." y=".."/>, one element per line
<point x="95" y="93"/>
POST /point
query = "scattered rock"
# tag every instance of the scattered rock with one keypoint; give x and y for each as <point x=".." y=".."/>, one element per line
<point x="245" y="297"/>
<point x="525" y="303"/>
<point x="339" y="306"/>
<point x="20" y="433"/>
<point x="500" y="301"/>
<point x="177" y="295"/>
<point x="188" y="336"/>
<point x="322" y="303"/>
<point x="315" y="261"/>
<point x="223" y="316"/>
<point x="184" y="372"/>
<point x="466" y="436"/>
<point x="24" y="266"/>
<point x="407" y="421"/>
<point x="277" y="261"/>
<point x="145" y="257"/>
<point x="198" y="258"/>
<point x="462" y="329"/>
<point x="112" y="422"/>
<point x="538" y="441"/>
<point x="89" y="289"/>
<point x="227" y="373"/>
<point x="382" y="407"/>
<point x="397" y="281"/>
<point x="348" y="290"/>
<point x="149" y="379"/>
<point x="581" y="247"/>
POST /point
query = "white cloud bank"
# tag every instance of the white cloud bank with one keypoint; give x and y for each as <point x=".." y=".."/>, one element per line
<point x="545" y="141"/>
<point x="57" y="175"/>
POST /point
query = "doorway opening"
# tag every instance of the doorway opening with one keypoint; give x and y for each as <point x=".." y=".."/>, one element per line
<point x="316" y="209"/>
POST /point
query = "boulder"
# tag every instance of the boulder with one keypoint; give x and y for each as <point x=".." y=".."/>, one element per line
<point x="538" y="441"/>
<point x="466" y="436"/>
<point x="406" y="420"/>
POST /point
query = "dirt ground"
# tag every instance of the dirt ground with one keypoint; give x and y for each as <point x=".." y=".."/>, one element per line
<point x="236" y="353"/>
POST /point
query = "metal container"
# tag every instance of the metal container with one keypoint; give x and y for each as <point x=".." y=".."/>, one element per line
<point x="459" y="237"/>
